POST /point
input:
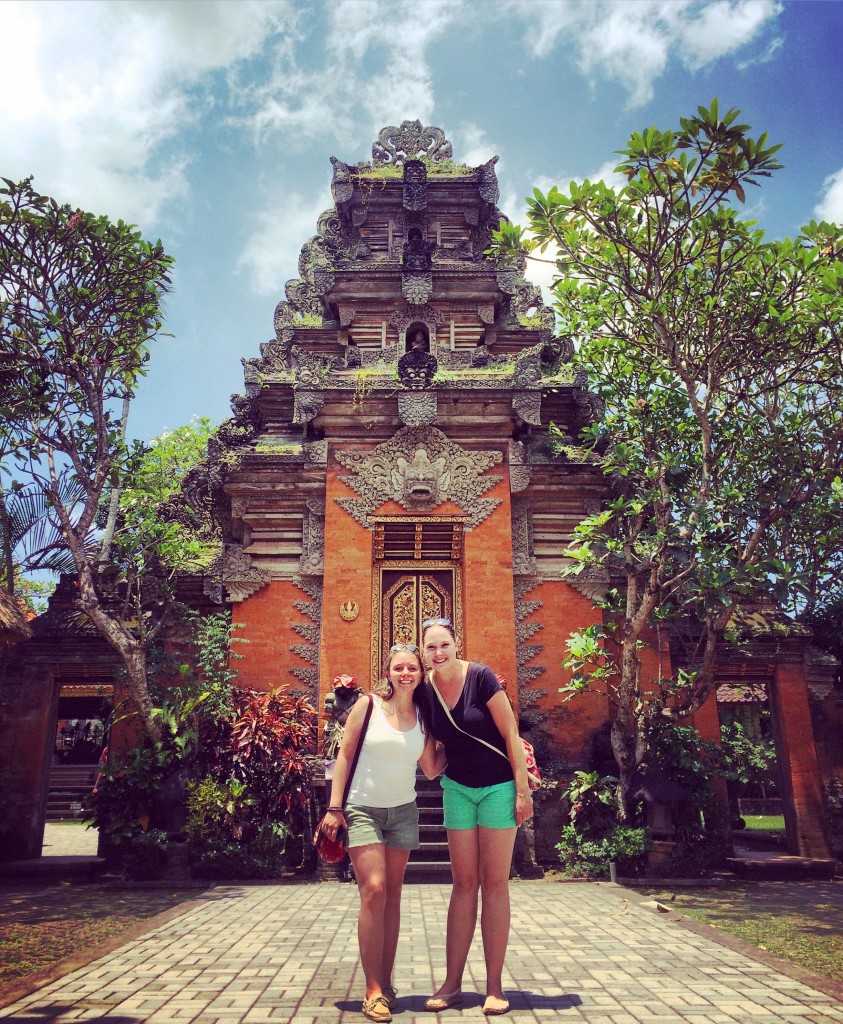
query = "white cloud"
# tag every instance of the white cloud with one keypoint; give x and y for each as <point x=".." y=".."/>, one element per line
<point x="92" y="94"/>
<point x="830" y="207"/>
<point x="270" y="256"/>
<point x="632" y="41"/>
<point x="375" y="70"/>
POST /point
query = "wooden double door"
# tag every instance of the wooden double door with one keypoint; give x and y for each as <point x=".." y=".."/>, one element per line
<point x="406" y="597"/>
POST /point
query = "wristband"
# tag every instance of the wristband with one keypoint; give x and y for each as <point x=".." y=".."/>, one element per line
<point x="336" y="810"/>
<point x="528" y="794"/>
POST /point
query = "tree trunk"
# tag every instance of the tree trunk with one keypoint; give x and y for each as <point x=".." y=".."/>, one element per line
<point x="8" y="581"/>
<point x="130" y="649"/>
<point x="114" y="501"/>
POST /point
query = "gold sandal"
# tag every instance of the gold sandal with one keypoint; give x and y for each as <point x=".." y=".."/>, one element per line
<point x="377" y="1009"/>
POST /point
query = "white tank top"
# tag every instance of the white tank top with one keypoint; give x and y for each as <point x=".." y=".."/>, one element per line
<point x="386" y="772"/>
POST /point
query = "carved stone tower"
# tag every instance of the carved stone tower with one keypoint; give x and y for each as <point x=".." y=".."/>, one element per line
<point x="390" y="460"/>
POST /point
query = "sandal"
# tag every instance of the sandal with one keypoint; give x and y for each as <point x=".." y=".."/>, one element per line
<point x="444" y="1002"/>
<point x="495" y="1009"/>
<point x="377" y="1009"/>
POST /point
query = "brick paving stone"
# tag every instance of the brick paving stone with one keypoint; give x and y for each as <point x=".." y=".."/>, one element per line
<point x="288" y="955"/>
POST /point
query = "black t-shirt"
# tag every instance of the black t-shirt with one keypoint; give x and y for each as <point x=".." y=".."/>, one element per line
<point x="469" y="762"/>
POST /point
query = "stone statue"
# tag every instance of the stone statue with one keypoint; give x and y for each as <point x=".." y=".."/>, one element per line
<point x="417" y="367"/>
<point x="338" y="704"/>
<point x="417" y="254"/>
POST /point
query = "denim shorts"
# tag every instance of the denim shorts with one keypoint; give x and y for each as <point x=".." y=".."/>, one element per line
<point x="469" y="806"/>
<point x="395" y="827"/>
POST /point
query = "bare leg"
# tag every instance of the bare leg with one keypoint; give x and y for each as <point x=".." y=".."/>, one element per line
<point x="370" y="870"/>
<point x="462" y="910"/>
<point x="395" y="864"/>
<point x="495" y="854"/>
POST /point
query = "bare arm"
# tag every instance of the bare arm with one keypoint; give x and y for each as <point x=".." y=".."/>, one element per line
<point x="433" y="758"/>
<point x="501" y="712"/>
<point x="350" y="739"/>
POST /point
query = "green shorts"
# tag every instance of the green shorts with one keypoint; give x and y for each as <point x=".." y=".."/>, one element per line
<point x="395" y="827"/>
<point x="487" y="806"/>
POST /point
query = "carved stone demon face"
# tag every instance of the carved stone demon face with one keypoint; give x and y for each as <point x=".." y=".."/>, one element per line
<point x="420" y="483"/>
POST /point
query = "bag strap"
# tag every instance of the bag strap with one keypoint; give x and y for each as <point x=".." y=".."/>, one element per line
<point x="447" y="711"/>
<point x="360" y="738"/>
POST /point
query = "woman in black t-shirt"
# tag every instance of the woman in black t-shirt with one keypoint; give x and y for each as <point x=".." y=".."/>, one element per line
<point x="486" y="797"/>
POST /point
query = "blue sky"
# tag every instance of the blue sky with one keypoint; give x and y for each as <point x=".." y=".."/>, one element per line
<point x="211" y="124"/>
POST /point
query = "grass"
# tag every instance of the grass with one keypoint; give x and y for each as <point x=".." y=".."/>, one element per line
<point x="764" y="822"/>
<point x="801" y="921"/>
<point x="40" y="925"/>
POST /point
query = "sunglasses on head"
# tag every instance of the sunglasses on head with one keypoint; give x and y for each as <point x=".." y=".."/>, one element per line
<point x="404" y="647"/>
<point x="435" y="622"/>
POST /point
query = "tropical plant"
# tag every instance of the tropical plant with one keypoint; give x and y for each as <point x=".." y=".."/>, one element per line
<point x="717" y="357"/>
<point x="80" y="300"/>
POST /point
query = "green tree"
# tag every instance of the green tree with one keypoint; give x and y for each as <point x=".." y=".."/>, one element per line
<point x="80" y="300"/>
<point x="147" y="512"/>
<point x="717" y="355"/>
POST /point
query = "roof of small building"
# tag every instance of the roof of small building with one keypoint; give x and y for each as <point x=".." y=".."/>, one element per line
<point x="13" y="617"/>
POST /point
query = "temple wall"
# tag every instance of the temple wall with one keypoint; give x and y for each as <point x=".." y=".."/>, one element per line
<point x="264" y="621"/>
<point x="28" y="700"/>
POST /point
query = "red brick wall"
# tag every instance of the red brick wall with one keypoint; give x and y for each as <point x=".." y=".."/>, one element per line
<point x="798" y="758"/>
<point x="264" y="621"/>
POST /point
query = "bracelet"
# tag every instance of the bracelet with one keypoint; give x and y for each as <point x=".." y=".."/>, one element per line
<point x="336" y="810"/>
<point x="528" y="794"/>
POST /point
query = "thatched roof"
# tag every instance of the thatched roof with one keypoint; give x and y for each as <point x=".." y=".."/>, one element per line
<point x="13" y="618"/>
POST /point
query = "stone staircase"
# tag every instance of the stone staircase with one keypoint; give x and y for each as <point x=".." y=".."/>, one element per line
<point x="69" y="784"/>
<point x="431" y="862"/>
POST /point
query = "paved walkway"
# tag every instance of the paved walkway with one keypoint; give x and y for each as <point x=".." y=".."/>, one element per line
<point x="287" y="954"/>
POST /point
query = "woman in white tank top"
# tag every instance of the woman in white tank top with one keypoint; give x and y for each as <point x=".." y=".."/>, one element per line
<point x="381" y="814"/>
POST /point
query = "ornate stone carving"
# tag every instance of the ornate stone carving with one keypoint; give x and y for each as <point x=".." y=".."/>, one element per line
<point x="527" y="405"/>
<point x="316" y="453"/>
<point x="485" y="174"/>
<point x="240" y="579"/>
<point x="528" y="369"/>
<point x="337" y="243"/>
<point x="416" y="368"/>
<point x="417" y="408"/>
<point x="409" y="141"/>
<point x="316" y="265"/>
<point x="414" y="196"/>
<point x="519" y="469"/>
<point x="342" y="184"/>
<point x="508" y="280"/>
<point x="486" y="312"/>
<point x="312" y="586"/>
<point x="309" y="630"/>
<point x="523" y="561"/>
<point x="590" y="406"/>
<point x="417" y="287"/>
<point x="592" y="582"/>
<point x="307" y="405"/>
<point x="472" y="216"/>
<point x="302" y="296"/>
<point x="283" y="318"/>
<point x="402" y="318"/>
<point x="312" y="559"/>
<point x="239" y="507"/>
<point x="524" y="630"/>
<point x="308" y="676"/>
<point x="417" y="254"/>
<point x="419" y="467"/>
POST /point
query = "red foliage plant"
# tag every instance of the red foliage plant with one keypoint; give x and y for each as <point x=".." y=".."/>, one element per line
<point x="263" y="745"/>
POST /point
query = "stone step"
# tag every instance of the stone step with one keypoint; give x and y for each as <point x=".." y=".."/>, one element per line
<point x="782" y="867"/>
